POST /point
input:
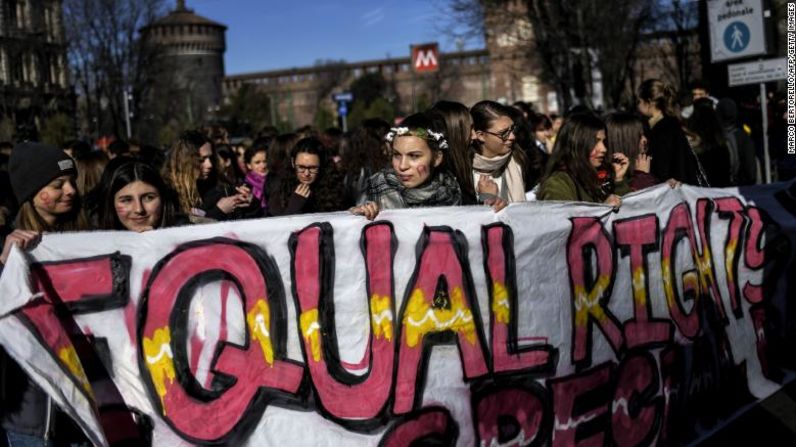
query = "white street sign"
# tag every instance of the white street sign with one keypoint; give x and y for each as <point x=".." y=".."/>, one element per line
<point x="736" y="29"/>
<point x="757" y="72"/>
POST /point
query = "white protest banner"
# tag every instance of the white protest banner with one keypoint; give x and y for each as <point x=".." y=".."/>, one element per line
<point x="549" y="322"/>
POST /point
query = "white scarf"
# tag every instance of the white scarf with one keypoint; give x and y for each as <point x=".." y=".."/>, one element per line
<point x="506" y="169"/>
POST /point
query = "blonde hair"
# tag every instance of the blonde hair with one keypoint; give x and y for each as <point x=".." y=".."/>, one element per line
<point x="29" y="219"/>
<point x="181" y="171"/>
<point x="659" y="94"/>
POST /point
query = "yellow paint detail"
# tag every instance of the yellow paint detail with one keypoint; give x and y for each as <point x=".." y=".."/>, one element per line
<point x="589" y="303"/>
<point x="705" y="268"/>
<point x="668" y="287"/>
<point x="157" y="351"/>
<point x="259" y="322"/>
<point x="421" y="318"/>
<point x="311" y="330"/>
<point x="729" y="256"/>
<point x="381" y="316"/>
<point x="691" y="281"/>
<point x="639" y="291"/>
<point x="500" y="303"/>
<point x="69" y="357"/>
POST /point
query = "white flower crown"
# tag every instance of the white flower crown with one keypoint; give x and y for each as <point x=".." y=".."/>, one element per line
<point x="425" y="134"/>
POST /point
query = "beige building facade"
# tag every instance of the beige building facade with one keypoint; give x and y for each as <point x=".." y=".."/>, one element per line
<point x="507" y="70"/>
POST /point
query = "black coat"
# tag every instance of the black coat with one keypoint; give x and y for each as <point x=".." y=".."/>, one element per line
<point x="672" y="157"/>
<point x="212" y="193"/>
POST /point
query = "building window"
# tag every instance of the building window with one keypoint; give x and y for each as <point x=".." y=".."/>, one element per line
<point x="62" y="71"/>
<point x="34" y="70"/>
<point x="3" y="66"/>
<point x="11" y="13"/>
<point x="47" y="24"/>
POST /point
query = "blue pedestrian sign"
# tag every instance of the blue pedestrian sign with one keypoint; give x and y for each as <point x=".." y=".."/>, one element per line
<point x="343" y="97"/>
<point x="736" y="37"/>
<point x="737" y="29"/>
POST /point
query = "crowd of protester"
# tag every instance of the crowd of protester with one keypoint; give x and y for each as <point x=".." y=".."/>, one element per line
<point x="489" y="154"/>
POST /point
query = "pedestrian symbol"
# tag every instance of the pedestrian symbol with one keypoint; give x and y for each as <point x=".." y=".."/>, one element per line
<point x="736" y="37"/>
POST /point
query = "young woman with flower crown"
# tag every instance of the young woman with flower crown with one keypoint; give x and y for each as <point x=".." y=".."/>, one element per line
<point x="418" y="176"/>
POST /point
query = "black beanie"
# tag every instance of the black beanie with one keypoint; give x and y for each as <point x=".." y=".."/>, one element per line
<point x="33" y="165"/>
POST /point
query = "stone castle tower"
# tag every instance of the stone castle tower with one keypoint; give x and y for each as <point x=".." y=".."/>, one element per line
<point x="193" y="47"/>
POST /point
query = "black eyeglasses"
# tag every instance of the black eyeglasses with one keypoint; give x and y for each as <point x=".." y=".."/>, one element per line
<point x="503" y="135"/>
<point x="310" y="169"/>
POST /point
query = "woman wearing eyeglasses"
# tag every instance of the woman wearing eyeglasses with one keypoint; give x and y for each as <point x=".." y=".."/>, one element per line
<point x="497" y="167"/>
<point x="305" y="186"/>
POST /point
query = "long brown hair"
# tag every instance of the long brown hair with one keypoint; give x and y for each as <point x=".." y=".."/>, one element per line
<point x="458" y="123"/>
<point x="182" y="170"/>
<point x="278" y="154"/>
<point x="623" y="134"/>
<point x="89" y="170"/>
<point x="30" y="219"/>
<point x="575" y="141"/>
<point x="365" y="148"/>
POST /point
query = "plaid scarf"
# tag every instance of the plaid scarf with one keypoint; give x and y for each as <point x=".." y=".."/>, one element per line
<point x="385" y="189"/>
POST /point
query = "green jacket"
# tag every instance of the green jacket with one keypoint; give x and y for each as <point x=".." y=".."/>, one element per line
<point x="561" y="186"/>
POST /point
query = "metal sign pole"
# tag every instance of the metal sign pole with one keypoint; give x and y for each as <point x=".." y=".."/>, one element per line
<point x="764" y="110"/>
<point x="345" y="123"/>
<point x="126" y="95"/>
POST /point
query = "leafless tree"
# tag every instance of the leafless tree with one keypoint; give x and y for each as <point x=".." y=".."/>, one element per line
<point x="569" y="39"/>
<point x="107" y="57"/>
<point x="676" y="34"/>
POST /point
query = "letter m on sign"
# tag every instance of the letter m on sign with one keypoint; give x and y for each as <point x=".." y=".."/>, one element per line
<point x="425" y="58"/>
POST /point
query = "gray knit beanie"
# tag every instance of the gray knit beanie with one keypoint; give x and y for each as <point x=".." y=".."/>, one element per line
<point x="33" y="165"/>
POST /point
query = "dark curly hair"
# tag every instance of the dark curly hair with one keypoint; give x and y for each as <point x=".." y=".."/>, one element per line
<point x="364" y="148"/>
<point x="325" y="188"/>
